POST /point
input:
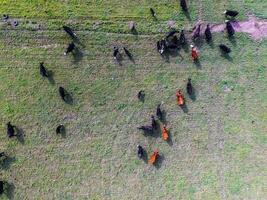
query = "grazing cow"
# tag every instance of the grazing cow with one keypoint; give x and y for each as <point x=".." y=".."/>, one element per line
<point x="5" y="17"/>
<point x="189" y="87"/>
<point x="62" y="93"/>
<point x="165" y="134"/>
<point x="1" y="187"/>
<point x="161" y="46"/>
<point x="229" y="28"/>
<point x="2" y="154"/>
<point x="182" y="38"/>
<point x="173" y="43"/>
<point x="140" y="151"/>
<point x="159" y="112"/>
<point x="224" y="49"/>
<point x="69" y="31"/>
<point x="196" y="34"/>
<point x="231" y="13"/>
<point x="153" y="157"/>
<point x="152" y="12"/>
<point x="194" y="53"/>
<point x="153" y="122"/>
<point x="146" y="128"/>
<point x="132" y="26"/>
<point x="208" y="34"/>
<point x="127" y="52"/>
<point x="70" y="48"/>
<point x="141" y="95"/>
<point x="60" y="129"/>
<point x="180" y="98"/>
<point x="183" y="5"/>
<point x="10" y="130"/>
<point x="115" y="52"/>
<point x="43" y="70"/>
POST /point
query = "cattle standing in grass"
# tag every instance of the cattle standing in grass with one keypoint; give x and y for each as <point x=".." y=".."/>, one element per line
<point x="196" y="34"/>
<point x="189" y="87"/>
<point x="183" y="5"/>
<point x="115" y="52"/>
<point x="43" y="70"/>
<point x="127" y="52"/>
<point x="231" y="13"/>
<point x="10" y="130"/>
<point x="159" y="112"/>
<point x="180" y="98"/>
<point x="208" y="34"/>
<point x="69" y="31"/>
<point x="141" y="95"/>
<point x="194" y="53"/>
<point x="1" y="187"/>
<point x="62" y="93"/>
<point x="165" y="134"/>
<point x="140" y="151"/>
<point x="5" y="17"/>
<point x="60" y="129"/>
<point x="224" y="49"/>
<point x="153" y="157"/>
<point x="153" y="122"/>
<point x="229" y="28"/>
<point x="70" y="48"/>
<point x="152" y="12"/>
<point x="2" y="154"/>
<point x="182" y="39"/>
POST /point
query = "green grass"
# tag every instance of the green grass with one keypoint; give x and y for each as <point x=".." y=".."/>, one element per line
<point x="218" y="146"/>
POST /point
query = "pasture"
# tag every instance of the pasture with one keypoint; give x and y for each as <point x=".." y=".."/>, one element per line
<point x="217" y="149"/>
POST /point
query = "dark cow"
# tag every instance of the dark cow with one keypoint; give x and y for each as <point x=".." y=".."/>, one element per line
<point x="127" y="52"/>
<point x="140" y="151"/>
<point x="146" y="128"/>
<point x="183" y="5"/>
<point x="196" y="34"/>
<point x="231" y="13"/>
<point x="2" y="154"/>
<point x="43" y="70"/>
<point x="70" y="48"/>
<point x="159" y="113"/>
<point x="229" y="28"/>
<point x="153" y="122"/>
<point x="152" y="12"/>
<point x="161" y="46"/>
<point x="171" y="33"/>
<point x="115" y="52"/>
<point x="172" y="42"/>
<point x="224" y="49"/>
<point x="1" y="187"/>
<point x="182" y="39"/>
<point x="5" y="17"/>
<point x="60" y="129"/>
<point x="10" y="130"/>
<point x="69" y="31"/>
<point x="62" y="93"/>
<point x="141" y="95"/>
<point x="208" y="34"/>
<point x="189" y="87"/>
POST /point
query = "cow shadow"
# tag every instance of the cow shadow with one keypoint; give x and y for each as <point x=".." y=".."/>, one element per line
<point x="163" y="119"/>
<point x="77" y="55"/>
<point x="145" y="156"/>
<point x="169" y="140"/>
<point x="68" y="98"/>
<point x="10" y="188"/>
<point x="159" y="161"/>
<point x="232" y="40"/>
<point x="211" y="43"/>
<point x="51" y="77"/>
<point x="227" y="56"/>
<point x="187" y="15"/>
<point x="198" y="64"/>
<point x="63" y="132"/>
<point x="7" y="162"/>
<point x="20" y="135"/>
<point x="134" y="32"/>
<point x="193" y="95"/>
<point x="184" y="108"/>
<point x="185" y="47"/>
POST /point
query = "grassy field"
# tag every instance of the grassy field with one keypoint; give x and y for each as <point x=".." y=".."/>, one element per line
<point x="218" y="148"/>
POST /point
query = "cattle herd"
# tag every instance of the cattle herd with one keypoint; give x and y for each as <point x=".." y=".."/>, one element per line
<point x="170" y="42"/>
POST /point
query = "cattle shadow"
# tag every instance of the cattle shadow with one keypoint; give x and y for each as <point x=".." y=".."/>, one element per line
<point x="211" y="43"/>
<point x="185" y="47"/>
<point x="141" y="96"/>
<point x="7" y="162"/>
<point x="187" y="15"/>
<point x="145" y="156"/>
<point x="68" y="98"/>
<point x="232" y="40"/>
<point x="193" y="95"/>
<point x="198" y="42"/>
<point x="77" y="55"/>
<point x="163" y="118"/>
<point x="197" y="64"/>
<point x="63" y="132"/>
<point x="227" y="56"/>
<point x="169" y="140"/>
<point x="159" y="161"/>
<point x="76" y="40"/>
<point x="184" y="108"/>
<point x="134" y="32"/>
<point x="51" y="77"/>
<point x="10" y="188"/>
<point x="20" y="135"/>
<point x="175" y="53"/>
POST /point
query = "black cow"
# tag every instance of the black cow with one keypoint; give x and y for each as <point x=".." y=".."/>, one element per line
<point x="1" y="187"/>
<point x="146" y="128"/>
<point x="69" y="31"/>
<point x="43" y="70"/>
<point x="141" y="95"/>
<point x="171" y="33"/>
<point x="62" y="93"/>
<point x="183" y="5"/>
<point x="10" y="130"/>
<point x="5" y="17"/>
<point x="197" y="32"/>
<point x="127" y="52"/>
<point x="140" y="151"/>
<point x="161" y="46"/>
<point x="152" y="12"/>
<point x="70" y="48"/>
<point x="153" y="122"/>
<point x="2" y="154"/>
<point x="182" y="39"/>
<point x="60" y="129"/>
<point x="159" y="113"/>
<point x="189" y="87"/>
<point x="229" y="28"/>
<point x="208" y="34"/>
<point x="224" y="49"/>
<point x="231" y="13"/>
<point x="115" y="52"/>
